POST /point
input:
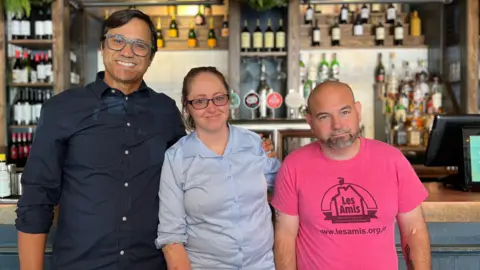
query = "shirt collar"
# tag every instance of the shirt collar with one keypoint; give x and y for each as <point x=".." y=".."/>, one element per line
<point x="100" y="86"/>
<point x="194" y="146"/>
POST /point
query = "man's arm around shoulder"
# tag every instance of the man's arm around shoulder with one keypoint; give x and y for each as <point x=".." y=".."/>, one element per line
<point x="286" y="230"/>
<point x="415" y="239"/>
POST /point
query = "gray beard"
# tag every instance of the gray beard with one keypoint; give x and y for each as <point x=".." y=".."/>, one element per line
<point x="340" y="143"/>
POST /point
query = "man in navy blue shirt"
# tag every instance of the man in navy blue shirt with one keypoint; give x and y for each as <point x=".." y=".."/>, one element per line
<point x="98" y="153"/>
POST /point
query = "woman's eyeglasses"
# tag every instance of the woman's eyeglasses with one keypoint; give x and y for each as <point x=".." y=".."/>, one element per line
<point x="202" y="103"/>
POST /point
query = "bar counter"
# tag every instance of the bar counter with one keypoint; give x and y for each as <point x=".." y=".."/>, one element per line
<point x="442" y="205"/>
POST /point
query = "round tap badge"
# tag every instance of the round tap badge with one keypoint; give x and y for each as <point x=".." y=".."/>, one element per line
<point x="252" y="100"/>
<point x="274" y="100"/>
<point x="234" y="100"/>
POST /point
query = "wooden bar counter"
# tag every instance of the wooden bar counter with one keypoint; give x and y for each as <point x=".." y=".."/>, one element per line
<point x="442" y="205"/>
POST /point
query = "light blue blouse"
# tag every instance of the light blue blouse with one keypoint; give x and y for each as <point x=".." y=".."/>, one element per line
<point x="217" y="205"/>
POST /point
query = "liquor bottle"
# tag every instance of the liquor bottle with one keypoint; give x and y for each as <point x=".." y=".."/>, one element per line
<point x="173" y="31"/>
<point x="258" y="38"/>
<point x="17" y="76"/>
<point x="401" y="135"/>
<point x="47" y="23"/>
<point x="316" y="34"/>
<point x="398" y="33"/>
<point x="33" y="68"/>
<point x="336" y="34"/>
<point x="437" y="97"/>
<point x="415" y="25"/>
<point x="212" y="38"/>
<point x="364" y="14"/>
<point x="344" y="14"/>
<point x="262" y="91"/>
<point x="48" y="67"/>
<point x="323" y="69"/>
<point x="199" y="18"/>
<point x="246" y="38"/>
<point x="335" y="68"/>
<point x="160" y="41"/>
<point x="280" y="37"/>
<point x="380" y="70"/>
<point x="414" y="135"/>
<point x="391" y="14"/>
<point x="41" y="69"/>
<point x="358" y="27"/>
<point x="15" y="26"/>
<point x="25" y="27"/>
<point x="13" y="151"/>
<point x="192" y="36"/>
<point x="225" y="29"/>
<point x="379" y="34"/>
<point x="309" y="14"/>
<point x="269" y="37"/>
<point x="39" y="32"/>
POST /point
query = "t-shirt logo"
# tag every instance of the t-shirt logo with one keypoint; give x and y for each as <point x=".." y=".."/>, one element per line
<point x="348" y="203"/>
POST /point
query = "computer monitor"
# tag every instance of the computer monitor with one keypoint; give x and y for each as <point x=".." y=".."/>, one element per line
<point x="455" y="141"/>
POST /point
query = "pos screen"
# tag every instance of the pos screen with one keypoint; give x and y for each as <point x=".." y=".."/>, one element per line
<point x="475" y="158"/>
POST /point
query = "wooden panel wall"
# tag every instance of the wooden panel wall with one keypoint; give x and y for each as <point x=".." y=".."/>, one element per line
<point x="61" y="45"/>
<point x="293" y="45"/>
<point x="3" y="79"/>
<point x="469" y="49"/>
<point x="234" y="44"/>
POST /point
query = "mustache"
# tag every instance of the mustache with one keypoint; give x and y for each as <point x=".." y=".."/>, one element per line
<point x="339" y="131"/>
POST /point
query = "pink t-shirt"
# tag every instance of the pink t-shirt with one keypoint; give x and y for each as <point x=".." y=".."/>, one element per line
<point x="347" y="209"/>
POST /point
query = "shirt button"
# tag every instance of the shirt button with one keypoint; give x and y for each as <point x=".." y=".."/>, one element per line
<point x="126" y="184"/>
<point x="113" y="91"/>
<point x="126" y="98"/>
<point x="124" y="218"/>
<point x="122" y="252"/>
<point x="128" y="124"/>
<point x="240" y="249"/>
<point x="229" y="177"/>
<point x="126" y="152"/>
<point x="238" y="225"/>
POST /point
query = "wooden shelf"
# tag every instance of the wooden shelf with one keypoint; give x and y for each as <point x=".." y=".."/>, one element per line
<point x="411" y="148"/>
<point x="263" y="54"/>
<point x="184" y="22"/>
<point x="181" y="45"/>
<point x="330" y="18"/>
<point x="22" y="126"/>
<point x="37" y="44"/>
<point x="33" y="85"/>
<point x="363" y="42"/>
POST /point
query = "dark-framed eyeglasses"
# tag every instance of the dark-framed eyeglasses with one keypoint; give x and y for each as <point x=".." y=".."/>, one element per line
<point x="202" y="103"/>
<point x="118" y="43"/>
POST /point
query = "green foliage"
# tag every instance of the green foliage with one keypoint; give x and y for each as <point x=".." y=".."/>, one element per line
<point x="262" y="5"/>
<point x="22" y="6"/>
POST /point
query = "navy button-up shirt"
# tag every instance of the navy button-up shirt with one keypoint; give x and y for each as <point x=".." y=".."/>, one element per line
<point x="98" y="154"/>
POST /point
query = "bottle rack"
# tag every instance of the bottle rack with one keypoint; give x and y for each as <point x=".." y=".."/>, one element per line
<point x="348" y="40"/>
<point x="183" y="26"/>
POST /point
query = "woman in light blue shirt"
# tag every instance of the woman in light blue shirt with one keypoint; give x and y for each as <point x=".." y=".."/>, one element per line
<point x="214" y="212"/>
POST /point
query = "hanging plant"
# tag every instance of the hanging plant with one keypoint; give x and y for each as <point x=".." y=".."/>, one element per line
<point x="23" y="7"/>
<point x="17" y="6"/>
<point x="262" y="5"/>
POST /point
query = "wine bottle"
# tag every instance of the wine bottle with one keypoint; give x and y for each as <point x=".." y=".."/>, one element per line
<point x="212" y="38"/>
<point x="269" y="37"/>
<point x="280" y="37"/>
<point x="316" y="34"/>
<point x="245" y="38"/>
<point x="192" y="36"/>
<point x="160" y="41"/>
<point x="173" y="31"/>
<point x="258" y="38"/>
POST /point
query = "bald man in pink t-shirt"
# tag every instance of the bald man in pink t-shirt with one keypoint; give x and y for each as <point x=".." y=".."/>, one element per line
<point x="337" y="199"/>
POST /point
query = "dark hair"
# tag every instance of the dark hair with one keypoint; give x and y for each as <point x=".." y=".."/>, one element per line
<point x="192" y="74"/>
<point x="122" y="17"/>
